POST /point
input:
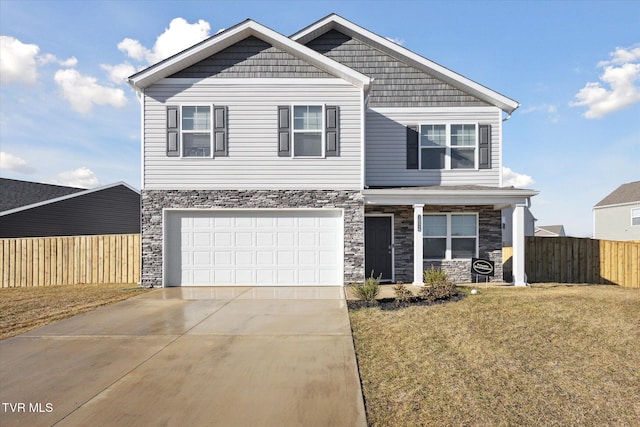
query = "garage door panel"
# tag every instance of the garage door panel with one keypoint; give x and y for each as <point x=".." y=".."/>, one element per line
<point x="237" y="247"/>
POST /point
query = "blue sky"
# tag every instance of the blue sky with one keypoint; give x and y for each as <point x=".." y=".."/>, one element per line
<point x="67" y="117"/>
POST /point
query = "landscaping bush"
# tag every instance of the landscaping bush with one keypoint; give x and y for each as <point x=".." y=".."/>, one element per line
<point x="436" y="286"/>
<point x="403" y="294"/>
<point x="368" y="291"/>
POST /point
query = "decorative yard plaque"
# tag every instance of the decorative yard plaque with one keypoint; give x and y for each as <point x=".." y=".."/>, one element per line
<point x="482" y="267"/>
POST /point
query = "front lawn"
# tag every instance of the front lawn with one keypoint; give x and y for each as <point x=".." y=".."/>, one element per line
<point x="23" y="309"/>
<point x="544" y="355"/>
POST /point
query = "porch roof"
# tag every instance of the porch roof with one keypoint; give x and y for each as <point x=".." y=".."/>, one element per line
<point x="499" y="197"/>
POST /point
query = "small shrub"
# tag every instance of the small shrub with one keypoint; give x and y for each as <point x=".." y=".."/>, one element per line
<point x="436" y="285"/>
<point x="435" y="276"/>
<point x="403" y="294"/>
<point x="368" y="291"/>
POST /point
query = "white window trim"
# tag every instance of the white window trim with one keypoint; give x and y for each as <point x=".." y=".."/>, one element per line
<point x="182" y="131"/>
<point x="448" y="146"/>
<point x="449" y="237"/>
<point x="294" y="131"/>
<point x="635" y="216"/>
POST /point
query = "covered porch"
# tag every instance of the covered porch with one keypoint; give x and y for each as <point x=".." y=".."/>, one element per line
<point x="441" y="226"/>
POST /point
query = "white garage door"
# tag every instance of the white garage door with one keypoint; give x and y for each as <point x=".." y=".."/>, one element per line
<point x="253" y="248"/>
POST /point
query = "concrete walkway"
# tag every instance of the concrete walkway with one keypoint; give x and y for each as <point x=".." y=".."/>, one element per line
<point x="189" y="357"/>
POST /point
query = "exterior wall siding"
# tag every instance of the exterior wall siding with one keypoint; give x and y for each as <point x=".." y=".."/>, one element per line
<point x="386" y="150"/>
<point x="396" y="84"/>
<point x="459" y="271"/>
<point x="252" y="58"/>
<point x="614" y="223"/>
<point x="114" y="210"/>
<point x="154" y="201"/>
<point x="252" y="161"/>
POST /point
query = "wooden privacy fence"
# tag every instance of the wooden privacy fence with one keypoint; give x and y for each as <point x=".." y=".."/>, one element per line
<point x="579" y="260"/>
<point x="44" y="261"/>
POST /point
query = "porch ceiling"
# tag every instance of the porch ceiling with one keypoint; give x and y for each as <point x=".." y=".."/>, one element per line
<point x="499" y="197"/>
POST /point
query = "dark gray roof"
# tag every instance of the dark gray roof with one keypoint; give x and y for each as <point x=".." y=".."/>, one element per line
<point x="626" y="193"/>
<point x="15" y="193"/>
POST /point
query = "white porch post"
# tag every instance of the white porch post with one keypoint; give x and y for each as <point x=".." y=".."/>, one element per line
<point x="417" y="245"/>
<point x="519" y="275"/>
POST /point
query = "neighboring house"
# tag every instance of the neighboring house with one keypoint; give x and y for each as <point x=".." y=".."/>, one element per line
<point x="32" y="209"/>
<point x="550" y="231"/>
<point x="617" y="216"/>
<point x="316" y="159"/>
<point x="507" y="225"/>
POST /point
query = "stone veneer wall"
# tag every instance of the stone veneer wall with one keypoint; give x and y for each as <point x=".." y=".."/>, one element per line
<point x="490" y="245"/>
<point x="154" y="201"/>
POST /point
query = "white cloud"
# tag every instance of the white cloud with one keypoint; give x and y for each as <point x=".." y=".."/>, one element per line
<point x="551" y="110"/>
<point x="118" y="73"/>
<point x="617" y="89"/>
<point x="12" y="163"/>
<point x="17" y="61"/>
<point x="82" y="92"/>
<point x="82" y="177"/>
<point x="179" y="36"/>
<point x="518" y="180"/>
<point x="49" y="58"/>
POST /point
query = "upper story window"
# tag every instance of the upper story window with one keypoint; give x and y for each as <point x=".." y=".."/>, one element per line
<point x="307" y="131"/>
<point x="196" y="131"/>
<point x="448" y="146"/>
<point x="635" y="216"/>
<point x="450" y="236"/>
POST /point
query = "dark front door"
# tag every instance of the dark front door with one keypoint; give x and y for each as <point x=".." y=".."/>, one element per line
<point x="377" y="246"/>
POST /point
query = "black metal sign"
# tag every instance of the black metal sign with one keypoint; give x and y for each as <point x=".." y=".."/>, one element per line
<point x="482" y="267"/>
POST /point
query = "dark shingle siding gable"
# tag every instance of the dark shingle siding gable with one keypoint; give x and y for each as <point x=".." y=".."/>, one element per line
<point x="16" y="194"/>
<point x="396" y="84"/>
<point x="252" y="58"/>
<point x="114" y="210"/>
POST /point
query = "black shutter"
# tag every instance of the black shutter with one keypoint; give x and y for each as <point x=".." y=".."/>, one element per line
<point x="173" y="131"/>
<point x="220" y="131"/>
<point x="284" y="131"/>
<point x="484" y="146"/>
<point x="412" y="147"/>
<point x="332" y="131"/>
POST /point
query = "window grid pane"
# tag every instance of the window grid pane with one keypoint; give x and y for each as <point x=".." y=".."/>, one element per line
<point x="463" y="248"/>
<point x="196" y="118"/>
<point x="464" y="135"/>
<point x="433" y="158"/>
<point x="435" y="225"/>
<point x="307" y="117"/>
<point x="307" y="144"/>
<point x="463" y="225"/>
<point x="433" y="135"/>
<point x="434" y="248"/>
<point x="463" y="158"/>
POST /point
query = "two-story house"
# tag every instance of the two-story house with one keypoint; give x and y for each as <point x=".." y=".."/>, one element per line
<point x="317" y="159"/>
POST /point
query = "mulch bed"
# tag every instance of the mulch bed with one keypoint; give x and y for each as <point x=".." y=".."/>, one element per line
<point x="392" y="304"/>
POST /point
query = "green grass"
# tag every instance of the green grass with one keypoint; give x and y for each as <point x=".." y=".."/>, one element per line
<point x="549" y="355"/>
<point x="23" y="309"/>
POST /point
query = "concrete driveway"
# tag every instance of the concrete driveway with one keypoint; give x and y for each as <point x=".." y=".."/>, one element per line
<point x="189" y="357"/>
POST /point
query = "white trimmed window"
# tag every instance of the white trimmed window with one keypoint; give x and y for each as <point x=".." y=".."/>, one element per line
<point x="448" y="236"/>
<point x="635" y="216"/>
<point x="448" y="146"/>
<point x="196" y="131"/>
<point x="307" y="131"/>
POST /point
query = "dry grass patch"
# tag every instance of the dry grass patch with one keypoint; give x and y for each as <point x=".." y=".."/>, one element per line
<point x="548" y="355"/>
<point x="23" y="309"/>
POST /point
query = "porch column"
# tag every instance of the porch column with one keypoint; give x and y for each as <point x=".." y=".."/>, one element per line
<point x="417" y="245"/>
<point x="519" y="275"/>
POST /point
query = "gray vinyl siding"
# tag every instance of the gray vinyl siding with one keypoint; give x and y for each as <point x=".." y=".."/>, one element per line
<point x="252" y="161"/>
<point x="396" y="84"/>
<point x="114" y="210"/>
<point x="252" y="58"/>
<point x="614" y="222"/>
<point x="386" y="152"/>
